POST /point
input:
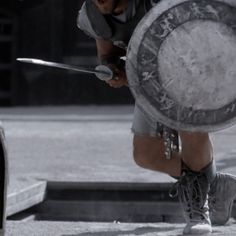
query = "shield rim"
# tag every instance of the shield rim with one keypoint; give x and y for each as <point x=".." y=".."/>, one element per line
<point x="131" y="70"/>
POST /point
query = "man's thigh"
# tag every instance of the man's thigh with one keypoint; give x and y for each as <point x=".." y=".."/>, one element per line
<point x="147" y="146"/>
<point x="147" y="139"/>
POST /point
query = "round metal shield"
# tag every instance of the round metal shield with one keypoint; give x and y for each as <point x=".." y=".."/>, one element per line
<point x="181" y="64"/>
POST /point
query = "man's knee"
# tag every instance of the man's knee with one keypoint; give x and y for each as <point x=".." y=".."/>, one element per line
<point x="146" y="150"/>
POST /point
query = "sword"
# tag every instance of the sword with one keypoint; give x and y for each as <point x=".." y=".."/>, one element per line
<point x="102" y="72"/>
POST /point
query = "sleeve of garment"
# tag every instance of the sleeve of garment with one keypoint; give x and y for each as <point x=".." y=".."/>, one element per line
<point x="84" y="23"/>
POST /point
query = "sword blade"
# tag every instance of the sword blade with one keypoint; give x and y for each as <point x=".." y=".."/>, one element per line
<point x="98" y="72"/>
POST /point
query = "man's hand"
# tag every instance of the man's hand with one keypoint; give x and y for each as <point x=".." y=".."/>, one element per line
<point x="107" y="51"/>
<point x="119" y="79"/>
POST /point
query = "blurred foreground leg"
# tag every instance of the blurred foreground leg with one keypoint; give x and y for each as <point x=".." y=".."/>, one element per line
<point x="3" y="181"/>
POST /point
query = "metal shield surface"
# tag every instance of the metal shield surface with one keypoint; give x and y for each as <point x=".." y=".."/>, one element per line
<point x="181" y="64"/>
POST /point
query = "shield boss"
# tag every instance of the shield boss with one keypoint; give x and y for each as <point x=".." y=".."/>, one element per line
<point x="181" y="64"/>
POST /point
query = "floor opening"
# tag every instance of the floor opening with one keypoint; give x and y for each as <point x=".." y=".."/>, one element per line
<point x="106" y="202"/>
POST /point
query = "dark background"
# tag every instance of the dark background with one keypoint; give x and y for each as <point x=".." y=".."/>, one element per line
<point x="46" y="29"/>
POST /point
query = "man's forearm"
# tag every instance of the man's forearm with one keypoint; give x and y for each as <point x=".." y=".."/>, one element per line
<point x="108" y="53"/>
<point x="110" y="59"/>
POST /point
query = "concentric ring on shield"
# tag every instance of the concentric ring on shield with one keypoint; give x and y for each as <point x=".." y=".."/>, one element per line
<point x="182" y="63"/>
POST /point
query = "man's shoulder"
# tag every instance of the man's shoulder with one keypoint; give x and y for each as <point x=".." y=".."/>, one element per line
<point x="83" y="22"/>
<point x="92" y="22"/>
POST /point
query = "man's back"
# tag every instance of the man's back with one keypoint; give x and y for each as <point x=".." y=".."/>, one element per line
<point x="117" y="28"/>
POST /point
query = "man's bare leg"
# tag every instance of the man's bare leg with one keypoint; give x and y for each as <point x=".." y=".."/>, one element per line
<point x="3" y="182"/>
<point x="196" y="150"/>
<point x="148" y="153"/>
<point x="196" y="154"/>
<point x="194" y="184"/>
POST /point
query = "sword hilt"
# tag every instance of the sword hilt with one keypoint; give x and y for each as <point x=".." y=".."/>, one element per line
<point x="103" y="76"/>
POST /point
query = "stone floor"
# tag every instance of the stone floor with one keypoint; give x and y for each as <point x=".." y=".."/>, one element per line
<point x="87" y="144"/>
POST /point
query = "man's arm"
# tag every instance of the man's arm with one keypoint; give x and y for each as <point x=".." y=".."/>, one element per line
<point x="107" y="52"/>
<point x="109" y="55"/>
